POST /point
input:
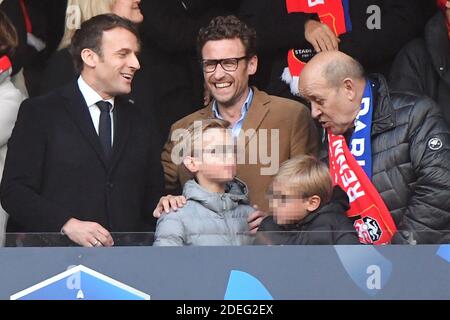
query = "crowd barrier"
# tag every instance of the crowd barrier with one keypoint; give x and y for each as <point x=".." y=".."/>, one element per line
<point x="43" y="266"/>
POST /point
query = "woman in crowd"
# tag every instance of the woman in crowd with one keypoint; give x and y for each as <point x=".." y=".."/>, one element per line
<point x="60" y="69"/>
<point x="10" y="98"/>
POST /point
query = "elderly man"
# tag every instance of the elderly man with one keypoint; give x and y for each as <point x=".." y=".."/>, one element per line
<point x="399" y="140"/>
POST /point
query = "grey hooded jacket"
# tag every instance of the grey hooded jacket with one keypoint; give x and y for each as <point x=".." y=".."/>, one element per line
<point x="208" y="218"/>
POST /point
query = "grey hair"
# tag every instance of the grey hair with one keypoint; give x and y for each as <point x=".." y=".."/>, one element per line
<point x="338" y="69"/>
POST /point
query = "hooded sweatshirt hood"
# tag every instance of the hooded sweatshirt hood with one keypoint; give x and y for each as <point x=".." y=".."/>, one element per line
<point x="236" y="193"/>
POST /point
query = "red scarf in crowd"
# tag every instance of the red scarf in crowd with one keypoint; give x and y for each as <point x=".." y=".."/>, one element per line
<point x="373" y="221"/>
<point x="334" y="13"/>
<point x="26" y="16"/>
<point x="442" y="5"/>
<point x="5" y="68"/>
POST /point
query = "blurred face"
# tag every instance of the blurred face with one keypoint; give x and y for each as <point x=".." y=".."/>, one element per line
<point x="229" y="88"/>
<point x="218" y="163"/>
<point x="128" y="9"/>
<point x="287" y="206"/>
<point x="114" y="69"/>
<point x="332" y="107"/>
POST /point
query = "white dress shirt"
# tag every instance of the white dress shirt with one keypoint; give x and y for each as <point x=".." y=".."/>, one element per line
<point x="92" y="97"/>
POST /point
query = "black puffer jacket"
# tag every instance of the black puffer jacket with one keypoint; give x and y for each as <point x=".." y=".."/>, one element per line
<point x="411" y="164"/>
<point x="327" y="225"/>
<point x="423" y="66"/>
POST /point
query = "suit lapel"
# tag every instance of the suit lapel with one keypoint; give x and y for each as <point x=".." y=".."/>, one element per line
<point x="256" y="113"/>
<point x="79" y="112"/>
<point x="122" y="125"/>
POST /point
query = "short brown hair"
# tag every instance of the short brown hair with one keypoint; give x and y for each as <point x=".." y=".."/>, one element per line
<point x="90" y="35"/>
<point x="308" y="176"/>
<point x="228" y="27"/>
<point x="8" y="36"/>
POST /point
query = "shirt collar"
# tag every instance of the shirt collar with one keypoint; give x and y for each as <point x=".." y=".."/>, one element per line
<point x="244" y="109"/>
<point x="90" y="95"/>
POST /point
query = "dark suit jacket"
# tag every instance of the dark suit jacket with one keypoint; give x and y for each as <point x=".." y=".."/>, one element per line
<point x="55" y="168"/>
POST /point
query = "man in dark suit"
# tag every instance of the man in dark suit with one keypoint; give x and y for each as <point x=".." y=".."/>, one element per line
<point x="81" y="160"/>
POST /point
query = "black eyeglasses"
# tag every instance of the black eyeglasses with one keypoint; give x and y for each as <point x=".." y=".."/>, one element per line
<point x="229" y="64"/>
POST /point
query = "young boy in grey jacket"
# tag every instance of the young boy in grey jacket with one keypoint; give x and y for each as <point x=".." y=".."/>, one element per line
<point x="217" y="205"/>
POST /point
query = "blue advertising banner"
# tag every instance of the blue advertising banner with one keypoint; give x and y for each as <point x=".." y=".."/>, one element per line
<point x="80" y="283"/>
<point x="227" y="273"/>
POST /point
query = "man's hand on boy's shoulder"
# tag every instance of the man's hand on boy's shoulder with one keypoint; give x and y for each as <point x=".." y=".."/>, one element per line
<point x="169" y="203"/>
<point x="254" y="219"/>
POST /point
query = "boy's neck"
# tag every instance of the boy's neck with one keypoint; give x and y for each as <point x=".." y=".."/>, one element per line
<point x="210" y="186"/>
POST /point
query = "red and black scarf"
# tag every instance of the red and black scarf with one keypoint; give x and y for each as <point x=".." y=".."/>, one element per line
<point x="442" y="5"/>
<point x="334" y="13"/>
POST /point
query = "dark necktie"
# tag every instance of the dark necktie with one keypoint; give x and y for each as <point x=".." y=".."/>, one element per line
<point x="104" y="127"/>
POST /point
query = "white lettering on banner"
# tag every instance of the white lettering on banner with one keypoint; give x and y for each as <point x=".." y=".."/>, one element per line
<point x="358" y="147"/>
<point x="343" y="167"/>
<point x="359" y="125"/>
<point x="364" y="110"/>
<point x="366" y="107"/>
<point x="348" y="178"/>
<point x="362" y="163"/>
<point x="353" y="192"/>
<point x="313" y="3"/>
<point x="347" y="175"/>
<point x="338" y="148"/>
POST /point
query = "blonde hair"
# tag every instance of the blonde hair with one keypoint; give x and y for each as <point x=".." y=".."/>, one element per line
<point x="86" y="10"/>
<point x="197" y="128"/>
<point x="308" y="176"/>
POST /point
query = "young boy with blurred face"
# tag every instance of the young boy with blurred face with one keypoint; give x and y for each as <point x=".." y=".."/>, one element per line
<point x="306" y="209"/>
<point x="217" y="207"/>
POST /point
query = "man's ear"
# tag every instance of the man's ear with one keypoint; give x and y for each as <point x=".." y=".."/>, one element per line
<point x="252" y="65"/>
<point x="90" y="58"/>
<point x="313" y="203"/>
<point x="191" y="164"/>
<point x="350" y="89"/>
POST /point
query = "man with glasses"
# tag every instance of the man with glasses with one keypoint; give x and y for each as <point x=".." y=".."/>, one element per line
<point x="280" y="128"/>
